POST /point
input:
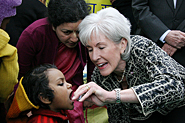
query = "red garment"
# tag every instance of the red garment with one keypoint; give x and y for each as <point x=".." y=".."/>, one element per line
<point x="47" y="116"/>
<point x="68" y="62"/>
<point x="77" y="112"/>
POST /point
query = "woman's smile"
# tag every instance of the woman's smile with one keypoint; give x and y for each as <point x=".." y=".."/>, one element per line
<point x="104" y="53"/>
<point x="102" y="66"/>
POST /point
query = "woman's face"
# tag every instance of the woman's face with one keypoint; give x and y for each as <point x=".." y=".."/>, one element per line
<point x="61" y="89"/>
<point x="68" y="33"/>
<point x="105" y="54"/>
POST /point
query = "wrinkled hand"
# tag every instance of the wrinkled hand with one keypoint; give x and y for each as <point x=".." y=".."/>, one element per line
<point x="92" y="93"/>
<point x="169" y="49"/>
<point x="176" y="39"/>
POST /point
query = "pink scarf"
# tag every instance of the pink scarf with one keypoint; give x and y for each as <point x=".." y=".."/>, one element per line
<point x="67" y="61"/>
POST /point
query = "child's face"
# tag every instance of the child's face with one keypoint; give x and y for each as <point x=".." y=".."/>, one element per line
<point x="62" y="91"/>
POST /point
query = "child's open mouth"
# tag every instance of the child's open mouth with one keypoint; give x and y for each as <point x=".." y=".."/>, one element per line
<point x="70" y="96"/>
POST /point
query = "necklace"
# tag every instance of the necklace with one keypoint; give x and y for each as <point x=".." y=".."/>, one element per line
<point x="123" y="75"/>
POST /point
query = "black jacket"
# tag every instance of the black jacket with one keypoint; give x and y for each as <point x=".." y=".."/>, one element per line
<point x="28" y="12"/>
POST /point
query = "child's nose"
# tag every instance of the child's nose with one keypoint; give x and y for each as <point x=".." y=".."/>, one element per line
<point x="69" y="85"/>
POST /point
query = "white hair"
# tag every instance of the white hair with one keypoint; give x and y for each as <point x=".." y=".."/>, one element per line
<point x="109" y="22"/>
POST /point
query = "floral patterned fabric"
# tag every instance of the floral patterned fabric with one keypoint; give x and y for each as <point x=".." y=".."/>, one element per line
<point x="157" y="80"/>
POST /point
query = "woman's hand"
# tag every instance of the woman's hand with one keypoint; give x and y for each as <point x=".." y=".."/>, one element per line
<point x="93" y="93"/>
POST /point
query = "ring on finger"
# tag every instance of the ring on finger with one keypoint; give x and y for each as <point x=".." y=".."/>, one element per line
<point x="87" y="87"/>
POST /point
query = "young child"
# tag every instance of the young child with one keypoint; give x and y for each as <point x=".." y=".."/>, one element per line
<point x="45" y="94"/>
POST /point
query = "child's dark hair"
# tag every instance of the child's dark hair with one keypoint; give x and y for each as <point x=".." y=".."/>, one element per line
<point x="66" y="11"/>
<point x="36" y="82"/>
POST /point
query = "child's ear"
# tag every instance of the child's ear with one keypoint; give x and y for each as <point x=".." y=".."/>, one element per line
<point x="44" y="100"/>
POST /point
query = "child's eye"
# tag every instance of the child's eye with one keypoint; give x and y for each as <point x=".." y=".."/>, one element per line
<point x="61" y="84"/>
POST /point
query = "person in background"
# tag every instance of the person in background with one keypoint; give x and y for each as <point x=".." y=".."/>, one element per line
<point x="54" y="40"/>
<point x="28" y="12"/>
<point x="164" y="23"/>
<point x="44" y="2"/>
<point x="8" y="56"/>
<point x="125" y="8"/>
<point x="133" y="77"/>
<point x="46" y="95"/>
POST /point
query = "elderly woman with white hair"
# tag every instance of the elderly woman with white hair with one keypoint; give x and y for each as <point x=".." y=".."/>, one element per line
<point x="134" y="78"/>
